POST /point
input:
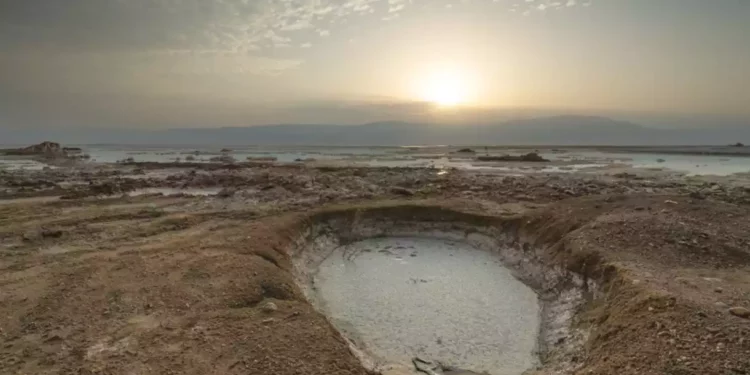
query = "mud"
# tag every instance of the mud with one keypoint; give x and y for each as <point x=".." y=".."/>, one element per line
<point x="403" y="297"/>
<point x="560" y="292"/>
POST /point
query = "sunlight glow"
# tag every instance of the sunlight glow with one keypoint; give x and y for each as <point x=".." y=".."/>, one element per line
<point x="445" y="86"/>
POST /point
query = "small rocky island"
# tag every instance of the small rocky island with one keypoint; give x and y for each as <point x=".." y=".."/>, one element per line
<point x="530" y="157"/>
<point x="46" y="149"/>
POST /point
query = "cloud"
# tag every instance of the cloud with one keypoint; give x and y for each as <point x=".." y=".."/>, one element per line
<point x="59" y="32"/>
<point x="228" y="25"/>
<point x="528" y="6"/>
<point x="231" y="26"/>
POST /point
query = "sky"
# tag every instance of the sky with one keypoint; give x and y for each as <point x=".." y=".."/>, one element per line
<point x="205" y="63"/>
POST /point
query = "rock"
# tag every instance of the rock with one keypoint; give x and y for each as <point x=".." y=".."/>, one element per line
<point x="52" y="233"/>
<point x="223" y="159"/>
<point x="262" y="158"/>
<point x="269" y="307"/>
<point x="402" y="191"/>
<point x="740" y="312"/>
<point x="624" y="175"/>
<point x="697" y="195"/>
<point x="225" y="150"/>
<point x="31" y="236"/>
<point x="190" y="158"/>
<point x="466" y="151"/>
<point x="55" y="335"/>
<point x="226" y="193"/>
<point x="435" y="368"/>
<point x="670" y="202"/>
<point x="530" y="157"/>
<point x="719" y="290"/>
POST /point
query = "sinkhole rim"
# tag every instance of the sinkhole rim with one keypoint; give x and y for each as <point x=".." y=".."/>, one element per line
<point x="560" y="291"/>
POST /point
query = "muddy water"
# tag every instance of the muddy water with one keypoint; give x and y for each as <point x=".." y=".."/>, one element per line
<point x="398" y="298"/>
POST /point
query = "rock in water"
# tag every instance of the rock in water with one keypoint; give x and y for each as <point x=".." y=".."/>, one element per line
<point x="435" y="368"/>
<point x="427" y="367"/>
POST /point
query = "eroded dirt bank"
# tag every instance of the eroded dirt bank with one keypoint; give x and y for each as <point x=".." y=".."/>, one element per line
<point x="182" y="285"/>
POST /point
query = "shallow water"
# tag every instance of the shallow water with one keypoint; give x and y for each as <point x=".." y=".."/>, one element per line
<point x="398" y="298"/>
<point x="439" y="157"/>
<point x="22" y="164"/>
<point x="688" y="164"/>
<point x="112" y="154"/>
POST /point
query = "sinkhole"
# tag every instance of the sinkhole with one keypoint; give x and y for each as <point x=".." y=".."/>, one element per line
<point x="455" y="293"/>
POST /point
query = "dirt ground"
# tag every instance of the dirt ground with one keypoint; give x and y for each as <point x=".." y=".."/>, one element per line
<point x="203" y="285"/>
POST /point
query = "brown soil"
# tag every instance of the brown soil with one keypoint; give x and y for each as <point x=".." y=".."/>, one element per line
<point x="182" y="285"/>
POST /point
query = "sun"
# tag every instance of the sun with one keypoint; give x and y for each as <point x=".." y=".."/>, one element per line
<point x="445" y="87"/>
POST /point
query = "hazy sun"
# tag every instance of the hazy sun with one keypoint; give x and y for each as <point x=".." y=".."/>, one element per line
<point x="445" y="87"/>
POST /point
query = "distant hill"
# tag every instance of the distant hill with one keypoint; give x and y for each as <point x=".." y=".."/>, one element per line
<point x="557" y="130"/>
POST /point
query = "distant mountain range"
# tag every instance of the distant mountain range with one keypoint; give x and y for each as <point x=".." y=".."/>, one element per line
<point x="558" y="130"/>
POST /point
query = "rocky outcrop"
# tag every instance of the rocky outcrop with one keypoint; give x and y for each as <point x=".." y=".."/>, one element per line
<point x="46" y="149"/>
<point x="465" y="151"/>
